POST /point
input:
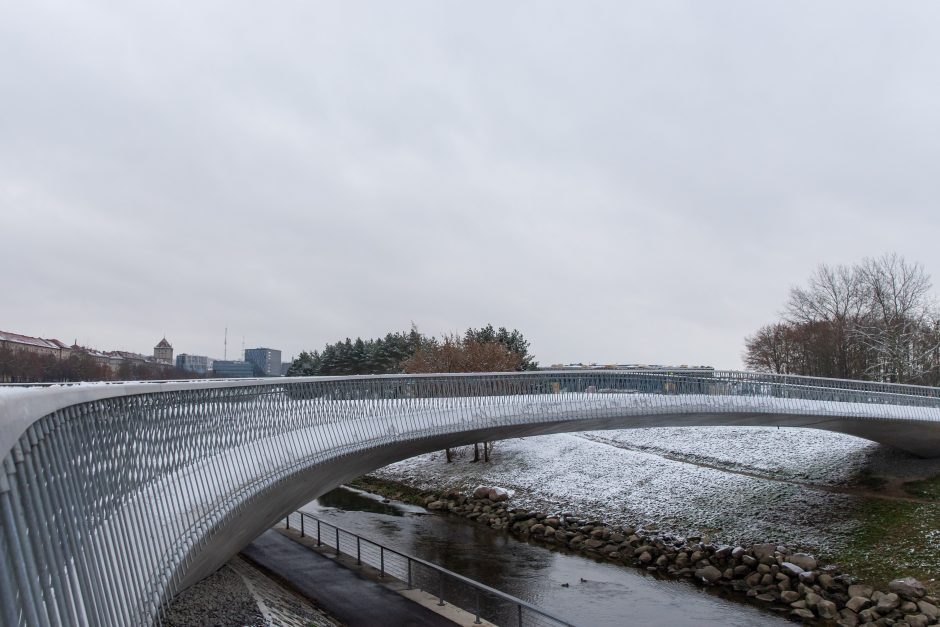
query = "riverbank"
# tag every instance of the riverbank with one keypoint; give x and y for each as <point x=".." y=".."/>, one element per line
<point x="873" y="511"/>
<point x="786" y="581"/>
<point x="870" y="511"/>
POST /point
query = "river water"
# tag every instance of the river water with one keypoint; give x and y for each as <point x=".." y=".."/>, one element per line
<point x="597" y="593"/>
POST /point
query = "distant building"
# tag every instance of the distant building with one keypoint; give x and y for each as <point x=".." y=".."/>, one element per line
<point x="113" y="362"/>
<point x="285" y="366"/>
<point x="131" y="362"/>
<point x="163" y="352"/>
<point x="232" y="369"/>
<point x="266" y="361"/>
<point x="17" y="342"/>
<point x="200" y="364"/>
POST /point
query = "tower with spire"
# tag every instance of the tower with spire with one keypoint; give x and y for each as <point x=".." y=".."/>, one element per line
<point x="163" y="352"/>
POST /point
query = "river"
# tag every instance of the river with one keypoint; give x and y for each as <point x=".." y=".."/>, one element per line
<point x="597" y="593"/>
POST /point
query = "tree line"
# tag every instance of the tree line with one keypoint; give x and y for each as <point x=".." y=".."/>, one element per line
<point x="478" y="350"/>
<point x="873" y="320"/>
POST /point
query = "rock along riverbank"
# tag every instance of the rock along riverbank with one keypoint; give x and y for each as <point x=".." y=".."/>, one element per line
<point x="782" y="579"/>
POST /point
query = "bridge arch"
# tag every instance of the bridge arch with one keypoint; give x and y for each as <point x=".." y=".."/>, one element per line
<point x="115" y="497"/>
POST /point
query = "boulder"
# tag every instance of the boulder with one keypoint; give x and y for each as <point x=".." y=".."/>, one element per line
<point x="789" y="596"/>
<point x="847" y="618"/>
<point x="762" y="551"/>
<point x="868" y="616"/>
<point x="803" y="560"/>
<point x="887" y="603"/>
<point x="826" y="609"/>
<point x="498" y="495"/>
<point x="860" y="590"/>
<point x="908" y="607"/>
<point x="709" y="573"/>
<point x="802" y="614"/>
<point x="916" y="620"/>
<point x="827" y="581"/>
<point x="791" y="569"/>
<point x="857" y="604"/>
<point x="929" y="610"/>
<point x="907" y="588"/>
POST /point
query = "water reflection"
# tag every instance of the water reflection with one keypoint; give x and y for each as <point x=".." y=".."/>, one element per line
<point x="356" y="500"/>
<point x="596" y="593"/>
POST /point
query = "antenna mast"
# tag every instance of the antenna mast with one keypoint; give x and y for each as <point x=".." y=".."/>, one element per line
<point x="225" y="350"/>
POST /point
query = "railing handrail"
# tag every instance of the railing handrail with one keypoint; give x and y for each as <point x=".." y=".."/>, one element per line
<point x="22" y="405"/>
<point x="440" y="569"/>
<point x="690" y="373"/>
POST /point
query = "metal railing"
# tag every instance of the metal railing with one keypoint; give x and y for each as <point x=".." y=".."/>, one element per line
<point x="113" y="498"/>
<point x="482" y="601"/>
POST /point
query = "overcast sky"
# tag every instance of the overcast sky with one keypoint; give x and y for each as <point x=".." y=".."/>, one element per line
<point x="622" y="182"/>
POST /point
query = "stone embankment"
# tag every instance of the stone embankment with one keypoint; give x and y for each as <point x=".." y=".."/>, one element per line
<point x="782" y="579"/>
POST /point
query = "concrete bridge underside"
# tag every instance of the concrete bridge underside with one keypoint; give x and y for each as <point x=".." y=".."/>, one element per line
<point x="922" y="440"/>
<point x="113" y="498"/>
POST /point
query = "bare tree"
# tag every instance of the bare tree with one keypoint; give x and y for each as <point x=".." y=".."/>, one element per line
<point x="835" y="297"/>
<point x="901" y="315"/>
<point x="771" y="349"/>
<point x="872" y="320"/>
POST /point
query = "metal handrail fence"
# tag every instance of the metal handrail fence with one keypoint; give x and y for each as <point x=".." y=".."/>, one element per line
<point x="115" y="497"/>
<point x="447" y="586"/>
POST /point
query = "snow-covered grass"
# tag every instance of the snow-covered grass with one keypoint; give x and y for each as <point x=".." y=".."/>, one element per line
<point x="690" y="481"/>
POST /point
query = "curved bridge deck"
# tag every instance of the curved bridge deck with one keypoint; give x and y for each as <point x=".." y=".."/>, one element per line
<point x="115" y="497"/>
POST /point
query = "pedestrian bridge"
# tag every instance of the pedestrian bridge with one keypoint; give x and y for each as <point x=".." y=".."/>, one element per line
<point x="114" y="497"/>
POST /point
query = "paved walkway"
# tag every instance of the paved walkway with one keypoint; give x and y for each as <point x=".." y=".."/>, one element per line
<point x="344" y="594"/>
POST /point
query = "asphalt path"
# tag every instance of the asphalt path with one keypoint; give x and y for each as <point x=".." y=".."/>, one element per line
<point x="344" y="593"/>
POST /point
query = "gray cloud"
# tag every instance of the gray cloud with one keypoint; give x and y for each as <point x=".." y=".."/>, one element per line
<point x="634" y="182"/>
